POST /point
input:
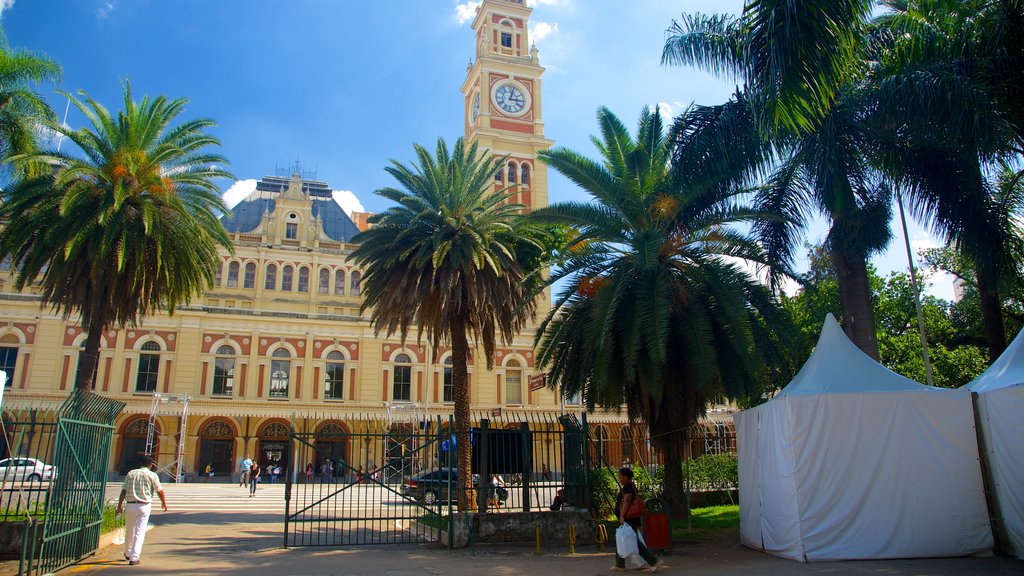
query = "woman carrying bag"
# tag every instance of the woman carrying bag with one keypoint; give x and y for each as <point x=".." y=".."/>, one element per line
<point x="630" y="510"/>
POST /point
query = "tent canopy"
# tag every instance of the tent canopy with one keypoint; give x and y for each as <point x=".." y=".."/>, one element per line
<point x="837" y="366"/>
<point x="853" y="461"/>
<point x="1005" y="372"/>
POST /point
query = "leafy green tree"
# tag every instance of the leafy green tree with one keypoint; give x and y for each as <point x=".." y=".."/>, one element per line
<point x="21" y="108"/>
<point x="955" y="349"/>
<point x="454" y="260"/>
<point x="656" y="313"/>
<point x="128" y="227"/>
<point x="802" y="63"/>
<point x="949" y="76"/>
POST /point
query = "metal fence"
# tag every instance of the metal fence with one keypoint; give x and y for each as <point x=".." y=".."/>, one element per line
<point x="54" y="477"/>
<point x="353" y="479"/>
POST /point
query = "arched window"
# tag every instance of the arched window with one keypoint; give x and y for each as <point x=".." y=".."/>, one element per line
<point x="249" y="281"/>
<point x="357" y="278"/>
<point x="449" y="390"/>
<point x="9" y="356"/>
<point x="287" y="273"/>
<point x="149" y="367"/>
<point x="511" y="173"/>
<point x="303" y="279"/>
<point x="224" y="371"/>
<point x="219" y="275"/>
<point x="280" y="371"/>
<point x="233" y="275"/>
<point x="524" y="177"/>
<point x="339" y="282"/>
<point x="402" y="382"/>
<point x="513" y="383"/>
<point x="626" y="442"/>
<point x="601" y="445"/>
<point x="334" y="376"/>
<point x="323" y="285"/>
<point x="270" y="283"/>
<point x="499" y="176"/>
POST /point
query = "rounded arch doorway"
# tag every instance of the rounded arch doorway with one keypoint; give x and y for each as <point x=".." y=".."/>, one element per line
<point x="332" y="439"/>
<point x="217" y="448"/>
<point x="133" y="443"/>
<point x="274" y="445"/>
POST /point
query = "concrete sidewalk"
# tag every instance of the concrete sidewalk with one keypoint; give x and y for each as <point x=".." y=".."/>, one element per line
<point x="207" y="544"/>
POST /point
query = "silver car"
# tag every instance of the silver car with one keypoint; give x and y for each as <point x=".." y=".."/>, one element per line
<point x="26" y="469"/>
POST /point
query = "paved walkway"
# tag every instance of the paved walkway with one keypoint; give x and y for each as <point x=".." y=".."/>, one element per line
<point x="243" y="536"/>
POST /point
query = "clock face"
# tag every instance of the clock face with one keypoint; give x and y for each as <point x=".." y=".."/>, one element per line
<point x="476" y="107"/>
<point x="510" y="98"/>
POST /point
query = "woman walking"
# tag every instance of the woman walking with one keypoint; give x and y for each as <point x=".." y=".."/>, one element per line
<point x="626" y="506"/>
<point x="254" y="478"/>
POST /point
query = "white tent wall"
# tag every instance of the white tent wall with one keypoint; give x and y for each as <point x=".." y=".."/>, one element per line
<point x="1001" y="417"/>
<point x="888" y="475"/>
<point x="749" y="485"/>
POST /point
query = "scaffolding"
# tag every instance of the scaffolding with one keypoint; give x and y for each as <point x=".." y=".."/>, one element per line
<point x="402" y="440"/>
<point x="168" y="405"/>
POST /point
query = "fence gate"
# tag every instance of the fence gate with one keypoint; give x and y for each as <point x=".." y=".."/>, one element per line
<point x="73" y="514"/>
<point x="383" y="482"/>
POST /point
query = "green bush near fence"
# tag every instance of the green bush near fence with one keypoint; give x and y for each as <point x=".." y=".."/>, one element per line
<point x="707" y="473"/>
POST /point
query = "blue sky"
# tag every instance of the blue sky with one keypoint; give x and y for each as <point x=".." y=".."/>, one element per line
<point x="343" y="86"/>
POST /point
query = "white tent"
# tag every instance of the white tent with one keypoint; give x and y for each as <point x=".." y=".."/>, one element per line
<point x="1000" y="392"/>
<point x="852" y="461"/>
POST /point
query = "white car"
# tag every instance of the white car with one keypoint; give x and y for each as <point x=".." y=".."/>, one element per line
<point x="26" y="469"/>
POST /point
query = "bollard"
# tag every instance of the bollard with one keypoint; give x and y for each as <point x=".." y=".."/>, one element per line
<point x="572" y="539"/>
<point x="602" y="536"/>
<point x="538" y="541"/>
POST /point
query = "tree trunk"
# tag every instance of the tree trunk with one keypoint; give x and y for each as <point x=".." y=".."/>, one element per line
<point x="89" y="358"/>
<point x="674" y="490"/>
<point x="855" y="300"/>
<point x="460" y="392"/>
<point x="991" y="315"/>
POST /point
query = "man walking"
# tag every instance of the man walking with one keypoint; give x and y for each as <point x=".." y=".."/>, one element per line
<point x="243" y="471"/>
<point x="137" y="492"/>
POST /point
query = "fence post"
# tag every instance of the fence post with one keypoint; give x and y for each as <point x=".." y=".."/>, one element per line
<point x="483" y="469"/>
<point x="527" y="463"/>
<point x="585" y="429"/>
<point x="288" y="479"/>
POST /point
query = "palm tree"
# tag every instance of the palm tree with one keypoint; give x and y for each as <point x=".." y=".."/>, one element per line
<point x="821" y="155"/>
<point x="21" y="109"/>
<point x="657" y="312"/>
<point x="795" y="56"/>
<point x="948" y="81"/>
<point x="454" y="260"/>
<point x="128" y="227"/>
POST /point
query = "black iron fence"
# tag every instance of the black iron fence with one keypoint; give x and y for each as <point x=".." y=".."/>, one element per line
<point x="361" y="479"/>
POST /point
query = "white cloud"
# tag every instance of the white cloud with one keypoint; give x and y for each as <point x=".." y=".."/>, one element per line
<point x="532" y="3"/>
<point x="239" y="191"/>
<point x="106" y="8"/>
<point x="923" y="241"/>
<point x="348" y="201"/>
<point x="466" y="11"/>
<point x="540" y="30"/>
<point x="5" y="5"/>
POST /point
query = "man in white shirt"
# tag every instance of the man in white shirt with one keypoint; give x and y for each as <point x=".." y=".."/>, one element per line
<point x="137" y="491"/>
<point x="244" y="466"/>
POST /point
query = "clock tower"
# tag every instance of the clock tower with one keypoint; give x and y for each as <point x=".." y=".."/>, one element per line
<point x="502" y="95"/>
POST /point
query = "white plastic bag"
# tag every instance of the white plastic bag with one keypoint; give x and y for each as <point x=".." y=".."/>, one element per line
<point x="625" y="542"/>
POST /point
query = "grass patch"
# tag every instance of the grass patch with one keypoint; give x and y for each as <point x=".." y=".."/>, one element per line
<point x="704" y="522"/>
<point x="434" y="521"/>
<point x="110" y="522"/>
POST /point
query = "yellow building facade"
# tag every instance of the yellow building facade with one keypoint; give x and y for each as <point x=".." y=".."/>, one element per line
<point x="281" y="337"/>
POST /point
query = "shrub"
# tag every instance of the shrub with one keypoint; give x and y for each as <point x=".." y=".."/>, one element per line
<point x="603" y="490"/>
<point x="715" y="472"/>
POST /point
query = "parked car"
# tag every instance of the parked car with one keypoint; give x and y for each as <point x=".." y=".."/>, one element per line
<point x="26" y="469"/>
<point x="437" y="485"/>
